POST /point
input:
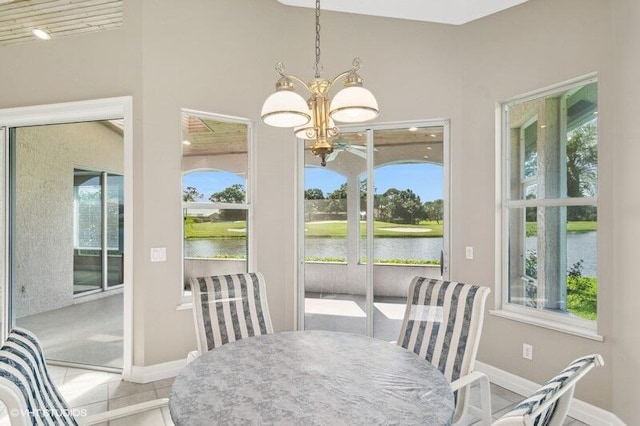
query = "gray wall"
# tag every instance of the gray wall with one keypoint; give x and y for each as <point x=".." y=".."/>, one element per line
<point x="624" y="199"/>
<point x="45" y="160"/>
<point x="529" y="47"/>
<point x="218" y="56"/>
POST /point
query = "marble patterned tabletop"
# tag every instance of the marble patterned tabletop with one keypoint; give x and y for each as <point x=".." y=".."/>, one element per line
<point x="310" y="378"/>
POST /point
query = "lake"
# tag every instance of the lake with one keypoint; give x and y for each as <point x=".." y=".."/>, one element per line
<point x="579" y="246"/>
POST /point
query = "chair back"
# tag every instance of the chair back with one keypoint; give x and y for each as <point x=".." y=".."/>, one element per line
<point x="443" y="323"/>
<point x="26" y="388"/>
<point x="549" y="405"/>
<point x="228" y="308"/>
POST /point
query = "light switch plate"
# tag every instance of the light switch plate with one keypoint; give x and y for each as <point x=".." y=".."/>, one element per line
<point x="468" y="252"/>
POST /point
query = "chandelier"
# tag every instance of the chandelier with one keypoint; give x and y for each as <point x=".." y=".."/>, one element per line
<point x="314" y="119"/>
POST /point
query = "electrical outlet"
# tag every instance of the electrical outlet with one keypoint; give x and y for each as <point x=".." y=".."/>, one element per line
<point x="159" y="254"/>
<point x="527" y="351"/>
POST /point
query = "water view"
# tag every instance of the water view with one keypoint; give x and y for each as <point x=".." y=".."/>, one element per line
<point x="580" y="246"/>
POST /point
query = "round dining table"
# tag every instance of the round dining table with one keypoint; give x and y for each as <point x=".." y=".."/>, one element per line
<point x="310" y="378"/>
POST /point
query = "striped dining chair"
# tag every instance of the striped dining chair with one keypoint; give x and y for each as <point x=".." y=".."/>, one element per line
<point x="549" y="405"/>
<point x="228" y="308"/>
<point x="443" y="323"/>
<point x="30" y="396"/>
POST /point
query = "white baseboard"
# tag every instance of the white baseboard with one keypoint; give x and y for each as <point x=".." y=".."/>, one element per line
<point x="580" y="410"/>
<point x="151" y="373"/>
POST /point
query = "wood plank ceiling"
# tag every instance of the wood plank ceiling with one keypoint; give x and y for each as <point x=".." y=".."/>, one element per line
<point x="59" y="18"/>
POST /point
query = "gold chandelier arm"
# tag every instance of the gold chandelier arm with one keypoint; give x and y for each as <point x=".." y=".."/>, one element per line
<point x="306" y="86"/>
<point x="282" y="71"/>
<point x="357" y="63"/>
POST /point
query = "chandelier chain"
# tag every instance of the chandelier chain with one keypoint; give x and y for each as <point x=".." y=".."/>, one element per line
<point x="318" y="66"/>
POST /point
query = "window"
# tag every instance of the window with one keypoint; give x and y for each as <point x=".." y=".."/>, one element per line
<point x="216" y="195"/>
<point x="549" y="198"/>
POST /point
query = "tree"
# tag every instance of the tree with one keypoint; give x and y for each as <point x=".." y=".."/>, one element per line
<point x="582" y="163"/>
<point x="338" y="200"/>
<point x="314" y="194"/>
<point x="434" y="210"/>
<point x="233" y="194"/>
<point x="191" y="194"/>
<point x="400" y="206"/>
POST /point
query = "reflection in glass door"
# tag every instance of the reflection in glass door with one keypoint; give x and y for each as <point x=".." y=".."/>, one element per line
<point x="98" y="231"/>
<point x="66" y="239"/>
<point x="365" y="241"/>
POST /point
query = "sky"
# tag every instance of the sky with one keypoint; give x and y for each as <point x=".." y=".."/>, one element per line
<point x="209" y="182"/>
<point x="423" y="179"/>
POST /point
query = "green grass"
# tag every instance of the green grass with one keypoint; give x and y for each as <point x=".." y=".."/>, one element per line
<point x="377" y="261"/>
<point x="582" y="296"/>
<point x="582" y="226"/>
<point x="338" y="229"/>
<point x="215" y="230"/>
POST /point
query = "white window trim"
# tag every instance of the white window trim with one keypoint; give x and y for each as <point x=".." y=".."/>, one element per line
<point x="546" y="319"/>
<point x="185" y="302"/>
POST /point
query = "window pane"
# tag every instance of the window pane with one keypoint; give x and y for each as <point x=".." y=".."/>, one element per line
<point x="531" y="150"/>
<point x="214" y="160"/>
<point x="582" y="160"/>
<point x="553" y="145"/>
<point x="212" y="186"/>
<point x="87" y="251"/>
<point x="215" y="242"/>
<point x="115" y="229"/>
<point x="325" y="212"/>
<point x="215" y="164"/>
<point x="553" y="259"/>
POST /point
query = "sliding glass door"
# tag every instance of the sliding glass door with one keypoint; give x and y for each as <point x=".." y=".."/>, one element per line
<point x="371" y="220"/>
<point x="66" y="239"/>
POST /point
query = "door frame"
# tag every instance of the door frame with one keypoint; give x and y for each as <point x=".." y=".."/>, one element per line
<point x="73" y="112"/>
<point x="299" y="203"/>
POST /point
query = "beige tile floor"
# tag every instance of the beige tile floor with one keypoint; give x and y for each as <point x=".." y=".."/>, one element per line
<point x="91" y="392"/>
<point x="94" y="392"/>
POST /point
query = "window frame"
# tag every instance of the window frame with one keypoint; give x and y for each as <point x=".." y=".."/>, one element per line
<point x="250" y="194"/>
<point x="543" y="318"/>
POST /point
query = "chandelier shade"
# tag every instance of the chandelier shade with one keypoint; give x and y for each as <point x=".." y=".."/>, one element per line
<point x="313" y="119"/>
<point x="354" y="105"/>
<point x="285" y="108"/>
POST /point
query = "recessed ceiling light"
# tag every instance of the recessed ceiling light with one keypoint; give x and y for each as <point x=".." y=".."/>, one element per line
<point x="433" y="135"/>
<point x="429" y="148"/>
<point x="186" y="143"/>
<point x="426" y="156"/>
<point x="413" y="129"/>
<point x="543" y="126"/>
<point x="41" y="34"/>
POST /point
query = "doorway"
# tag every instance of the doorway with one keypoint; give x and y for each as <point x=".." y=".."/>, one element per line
<point x="68" y="215"/>
<point x="370" y="220"/>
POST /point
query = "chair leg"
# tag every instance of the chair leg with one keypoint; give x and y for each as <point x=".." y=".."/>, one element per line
<point x="485" y="399"/>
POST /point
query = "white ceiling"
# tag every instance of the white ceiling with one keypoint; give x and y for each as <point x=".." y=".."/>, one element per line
<point x="455" y="12"/>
